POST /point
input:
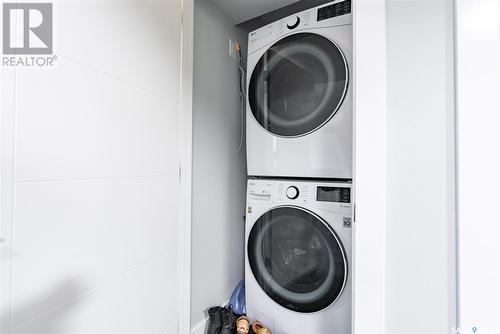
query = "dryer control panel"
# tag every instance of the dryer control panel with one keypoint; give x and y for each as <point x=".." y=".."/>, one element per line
<point x="335" y="13"/>
<point x="334" y="10"/>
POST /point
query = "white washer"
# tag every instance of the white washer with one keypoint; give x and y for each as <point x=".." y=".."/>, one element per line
<point x="299" y="105"/>
<point x="298" y="256"/>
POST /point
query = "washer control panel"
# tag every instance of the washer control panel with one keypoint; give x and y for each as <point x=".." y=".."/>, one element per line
<point x="293" y="193"/>
<point x="327" y="195"/>
<point x="260" y="191"/>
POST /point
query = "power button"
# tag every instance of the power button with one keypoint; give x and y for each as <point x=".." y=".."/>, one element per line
<point x="293" y="23"/>
<point x="292" y="192"/>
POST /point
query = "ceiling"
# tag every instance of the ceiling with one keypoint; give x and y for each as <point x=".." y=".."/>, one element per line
<point x="243" y="10"/>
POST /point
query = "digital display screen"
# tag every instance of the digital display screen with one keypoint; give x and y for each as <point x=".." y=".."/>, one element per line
<point x="337" y="9"/>
<point x="333" y="194"/>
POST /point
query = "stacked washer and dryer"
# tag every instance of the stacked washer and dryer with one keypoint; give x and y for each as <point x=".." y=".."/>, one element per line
<point x="299" y="155"/>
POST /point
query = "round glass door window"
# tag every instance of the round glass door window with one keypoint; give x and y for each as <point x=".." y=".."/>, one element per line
<point x="297" y="259"/>
<point x="298" y="85"/>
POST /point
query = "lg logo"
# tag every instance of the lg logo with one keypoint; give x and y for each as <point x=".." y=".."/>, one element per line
<point x="27" y="28"/>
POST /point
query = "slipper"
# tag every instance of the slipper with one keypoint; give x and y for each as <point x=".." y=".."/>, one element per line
<point x="242" y="325"/>
<point x="259" y="328"/>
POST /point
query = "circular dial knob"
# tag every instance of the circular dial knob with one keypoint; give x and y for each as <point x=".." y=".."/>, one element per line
<point x="292" y="192"/>
<point x="293" y="23"/>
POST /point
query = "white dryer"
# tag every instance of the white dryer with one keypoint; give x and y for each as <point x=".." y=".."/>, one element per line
<point x="299" y="105"/>
<point x="298" y="256"/>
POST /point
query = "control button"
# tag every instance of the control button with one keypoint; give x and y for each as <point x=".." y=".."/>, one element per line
<point x="293" y="23"/>
<point x="292" y="192"/>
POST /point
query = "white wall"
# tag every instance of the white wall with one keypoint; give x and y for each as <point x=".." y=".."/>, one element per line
<point x="89" y="174"/>
<point x="478" y="104"/>
<point x="219" y="170"/>
<point x="420" y="189"/>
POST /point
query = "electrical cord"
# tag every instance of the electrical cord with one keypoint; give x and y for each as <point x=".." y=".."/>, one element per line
<point x="242" y="95"/>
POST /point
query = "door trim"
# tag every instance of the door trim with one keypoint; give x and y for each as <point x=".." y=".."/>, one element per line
<point x="185" y="168"/>
<point x="369" y="169"/>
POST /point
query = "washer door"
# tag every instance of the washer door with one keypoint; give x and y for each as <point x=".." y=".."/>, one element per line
<point x="297" y="259"/>
<point x="298" y="84"/>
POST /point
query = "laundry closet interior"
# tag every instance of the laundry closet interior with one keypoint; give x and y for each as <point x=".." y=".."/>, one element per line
<point x="272" y="159"/>
<point x="335" y="156"/>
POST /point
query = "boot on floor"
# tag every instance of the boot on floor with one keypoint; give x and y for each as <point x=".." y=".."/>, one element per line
<point x="228" y="321"/>
<point x="214" y="320"/>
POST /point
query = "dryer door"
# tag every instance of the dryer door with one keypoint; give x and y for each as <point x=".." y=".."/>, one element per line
<point x="298" y="84"/>
<point x="297" y="259"/>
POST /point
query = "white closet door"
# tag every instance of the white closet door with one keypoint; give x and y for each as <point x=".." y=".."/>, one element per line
<point x="90" y="174"/>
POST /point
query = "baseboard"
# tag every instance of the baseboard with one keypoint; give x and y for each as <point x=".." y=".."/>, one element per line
<point x="200" y="327"/>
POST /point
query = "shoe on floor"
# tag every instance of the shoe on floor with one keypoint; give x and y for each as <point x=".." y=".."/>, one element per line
<point x="242" y="325"/>
<point x="259" y="328"/>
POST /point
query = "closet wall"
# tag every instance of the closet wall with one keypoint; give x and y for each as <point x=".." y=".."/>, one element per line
<point x="219" y="168"/>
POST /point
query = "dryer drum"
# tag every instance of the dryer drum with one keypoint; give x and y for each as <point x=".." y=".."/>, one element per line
<point x="297" y="259"/>
<point x="298" y="84"/>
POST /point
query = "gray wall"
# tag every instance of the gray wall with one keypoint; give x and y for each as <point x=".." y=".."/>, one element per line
<point x="219" y="170"/>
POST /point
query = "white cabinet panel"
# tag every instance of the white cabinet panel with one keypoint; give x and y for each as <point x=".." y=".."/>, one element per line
<point x="81" y="235"/>
<point x="74" y="122"/>
<point x="130" y="40"/>
<point x="90" y="175"/>
<point x="114" y="307"/>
